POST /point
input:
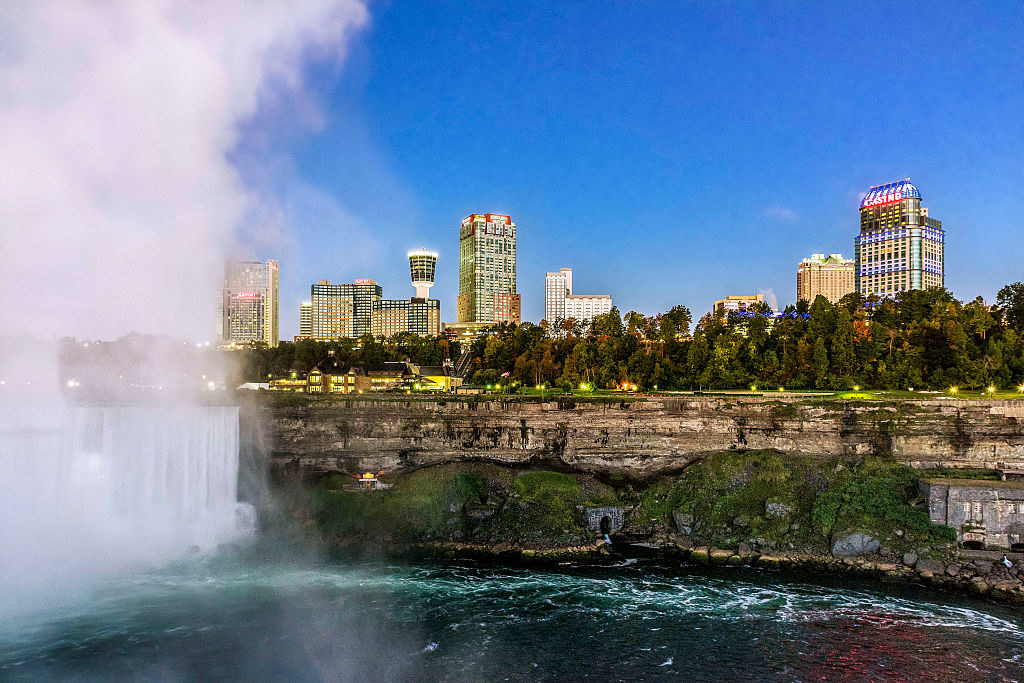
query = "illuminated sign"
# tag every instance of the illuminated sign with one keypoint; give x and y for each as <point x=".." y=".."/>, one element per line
<point x="886" y="194"/>
<point x="365" y="281"/>
<point x="498" y="218"/>
<point x="247" y="295"/>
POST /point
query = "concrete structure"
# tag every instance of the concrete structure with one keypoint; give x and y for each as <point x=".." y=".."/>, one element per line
<point x="344" y="310"/>
<point x="487" y="270"/>
<point x="422" y="267"/>
<point x="604" y="520"/>
<point x="899" y="247"/>
<point x="305" y="320"/>
<point x="248" y="308"/>
<point x="561" y="304"/>
<point x="985" y="514"/>
<point x="736" y="304"/>
<point x="830" y="276"/>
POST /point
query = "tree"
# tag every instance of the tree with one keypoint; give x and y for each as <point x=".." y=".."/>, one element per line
<point x="1010" y="302"/>
<point x="675" y="323"/>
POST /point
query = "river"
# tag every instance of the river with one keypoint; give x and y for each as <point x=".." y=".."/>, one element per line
<point x="240" y="618"/>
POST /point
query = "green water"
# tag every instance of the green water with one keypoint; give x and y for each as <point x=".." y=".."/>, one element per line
<point x="259" y="620"/>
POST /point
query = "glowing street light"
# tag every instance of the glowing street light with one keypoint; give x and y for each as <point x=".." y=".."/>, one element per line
<point x="856" y="387"/>
<point x="953" y="390"/>
<point x="991" y="389"/>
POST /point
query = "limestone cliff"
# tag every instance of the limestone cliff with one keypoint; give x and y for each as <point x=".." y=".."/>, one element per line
<point x="634" y="439"/>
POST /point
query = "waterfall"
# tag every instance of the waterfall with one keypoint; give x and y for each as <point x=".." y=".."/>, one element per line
<point x="92" y="491"/>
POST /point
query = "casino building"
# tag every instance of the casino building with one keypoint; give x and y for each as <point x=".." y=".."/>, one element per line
<point x="342" y="310"/>
<point x="900" y="247"/>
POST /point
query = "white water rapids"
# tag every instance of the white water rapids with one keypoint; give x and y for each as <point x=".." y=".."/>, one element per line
<point x="87" y="492"/>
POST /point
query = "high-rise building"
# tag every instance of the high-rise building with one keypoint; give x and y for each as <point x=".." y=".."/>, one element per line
<point x="487" y="270"/>
<point x="418" y="315"/>
<point x="736" y="304"/>
<point x="305" y="320"/>
<point x="343" y="310"/>
<point x="248" y="304"/>
<point x="830" y="276"/>
<point x="899" y="247"/>
<point x="557" y="286"/>
<point x="561" y="304"/>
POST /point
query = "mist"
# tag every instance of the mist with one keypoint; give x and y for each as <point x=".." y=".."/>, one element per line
<point x="119" y="206"/>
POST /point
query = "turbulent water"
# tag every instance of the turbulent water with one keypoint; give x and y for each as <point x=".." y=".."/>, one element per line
<point x="231" y="619"/>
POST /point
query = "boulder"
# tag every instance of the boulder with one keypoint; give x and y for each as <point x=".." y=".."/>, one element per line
<point x="953" y="569"/>
<point x="774" y="510"/>
<point x="982" y="567"/>
<point x="909" y="559"/>
<point x="684" y="522"/>
<point x="855" y="544"/>
<point x="740" y="522"/>
<point x="933" y="566"/>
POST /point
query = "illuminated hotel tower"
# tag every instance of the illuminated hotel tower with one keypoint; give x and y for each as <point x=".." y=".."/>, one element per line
<point x="899" y="247"/>
<point x="248" y="305"/>
<point x="487" y="270"/>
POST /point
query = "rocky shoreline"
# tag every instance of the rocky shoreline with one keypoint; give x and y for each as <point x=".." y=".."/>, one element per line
<point x="972" y="576"/>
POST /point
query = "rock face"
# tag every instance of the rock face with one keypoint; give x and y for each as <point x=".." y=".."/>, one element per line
<point x="855" y="544"/>
<point x="638" y="440"/>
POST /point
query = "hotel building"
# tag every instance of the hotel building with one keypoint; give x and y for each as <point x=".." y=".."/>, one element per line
<point x="344" y="310"/>
<point x="418" y="315"/>
<point x="249" y="304"/>
<point x="561" y="304"/>
<point x="487" y="270"/>
<point x="900" y="247"/>
<point x="830" y="276"/>
<point x="305" y="320"/>
<point x="736" y="304"/>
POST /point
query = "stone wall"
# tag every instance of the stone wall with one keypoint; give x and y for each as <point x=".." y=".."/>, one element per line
<point x="990" y="513"/>
<point x="637" y="439"/>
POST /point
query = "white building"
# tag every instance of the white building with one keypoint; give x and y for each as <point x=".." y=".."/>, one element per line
<point x="561" y="304"/>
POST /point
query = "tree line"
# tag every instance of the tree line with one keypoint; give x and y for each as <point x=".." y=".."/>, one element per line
<point x="923" y="339"/>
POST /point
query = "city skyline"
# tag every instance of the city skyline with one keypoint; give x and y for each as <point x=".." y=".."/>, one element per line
<point x="637" y="156"/>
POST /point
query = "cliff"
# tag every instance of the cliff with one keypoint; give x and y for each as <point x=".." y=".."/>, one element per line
<point x="306" y="438"/>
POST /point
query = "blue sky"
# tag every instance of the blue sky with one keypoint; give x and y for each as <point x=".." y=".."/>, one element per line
<point x="670" y="153"/>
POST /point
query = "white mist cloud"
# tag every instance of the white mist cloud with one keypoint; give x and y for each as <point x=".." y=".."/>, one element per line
<point x="770" y="298"/>
<point x="117" y="200"/>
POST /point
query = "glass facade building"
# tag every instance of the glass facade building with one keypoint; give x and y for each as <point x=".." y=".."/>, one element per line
<point x="343" y="310"/>
<point x="249" y="304"/>
<point x="487" y="270"/>
<point x="900" y="247"/>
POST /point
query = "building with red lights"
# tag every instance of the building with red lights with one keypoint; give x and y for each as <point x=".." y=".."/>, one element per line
<point x="487" y="270"/>
<point x="249" y="304"/>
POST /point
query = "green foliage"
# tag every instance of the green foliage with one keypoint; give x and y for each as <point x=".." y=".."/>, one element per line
<point x="874" y="498"/>
<point x="923" y="339"/>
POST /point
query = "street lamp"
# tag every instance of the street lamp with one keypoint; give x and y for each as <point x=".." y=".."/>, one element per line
<point x="953" y="390"/>
<point x="992" y="389"/>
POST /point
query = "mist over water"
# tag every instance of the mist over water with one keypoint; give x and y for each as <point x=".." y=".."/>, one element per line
<point x="93" y="491"/>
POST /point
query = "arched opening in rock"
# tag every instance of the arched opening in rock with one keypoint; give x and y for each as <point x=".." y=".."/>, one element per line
<point x="973" y="545"/>
<point x="606" y="525"/>
<point x="1017" y="543"/>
